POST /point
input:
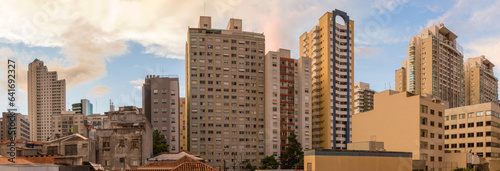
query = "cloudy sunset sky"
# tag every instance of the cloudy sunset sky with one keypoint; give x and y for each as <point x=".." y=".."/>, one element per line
<point x="104" y="49"/>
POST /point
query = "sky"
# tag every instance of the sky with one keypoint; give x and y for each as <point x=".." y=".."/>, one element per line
<point x="105" y="49"/>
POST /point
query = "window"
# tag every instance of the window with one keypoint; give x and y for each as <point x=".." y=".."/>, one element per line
<point x="453" y="136"/>
<point x="446" y="127"/>
<point x="423" y="145"/>
<point x="453" y="145"/>
<point x="470" y="144"/>
<point x="470" y="125"/>
<point x="470" y="134"/>
<point x="479" y="134"/>
<point x="461" y="116"/>
<point x="70" y="150"/>
<point x="122" y="160"/>
<point x="480" y="113"/>
<point x="122" y="143"/>
<point x="462" y="125"/>
<point x="478" y="124"/>
<point x="488" y="113"/>
<point x="52" y="150"/>
<point x="423" y="120"/>
<point x="479" y="144"/>
<point x="423" y="133"/>
<point x="424" y="109"/>
<point x="135" y="163"/>
<point x="453" y="126"/>
<point x="135" y="143"/>
<point x="453" y="117"/>
<point x="432" y="111"/>
<point x="470" y="115"/>
<point x="461" y="135"/>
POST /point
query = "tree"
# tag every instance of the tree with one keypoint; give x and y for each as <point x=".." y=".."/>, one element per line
<point x="159" y="143"/>
<point x="247" y="165"/>
<point x="293" y="155"/>
<point x="269" y="162"/>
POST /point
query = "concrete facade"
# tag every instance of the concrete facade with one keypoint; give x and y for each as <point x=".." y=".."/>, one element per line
<point x="160" y="100"/>
<point x="357" y="160"/>
<point x="288" y="97"/>
<point x="126" y="140"/>
<point x="96" y="120"/>
<point x="405" y="122"/>
<point x="183" y="124"/>
<point x="481" y="85"/>
<point x="22" y="126"/>
<point x="474" y="129"/>
<point x="46" y="96"/>
<point x="363" y="97"/>
<point x="225" y="93"/>
<point x="67" y="123"/>
<point x="330" y="44"/>
<point x="435" y="66"/>
<point x="74" y="145"/>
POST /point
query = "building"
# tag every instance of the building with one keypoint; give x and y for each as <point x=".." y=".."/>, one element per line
<point x="84" y="107"/>
<point x="160" y="102"/>
<point x="46" y="97"/>
<point x="400" y="76"/>
<point x="288" y="97"/>
<point x="22" y="126"/>
<point x="363" y="97"/>
<point x="67" y="123"/>
<point x="340" y="160"/>
<point x="435" y="66"/>
<point x="72" y="146"/>
<point x="23" y="148"/>
<point x="481" y="85"/>
<point x="225" y="93"/>
<point x="126" y="140"/>
<point x="183" y="123"/>
<point x="95" y="120"/>
<point x="474" y="129"/>
<point x="175" y="161"/>
<point x="405" y="122"/>
<point x="332" y="78"/>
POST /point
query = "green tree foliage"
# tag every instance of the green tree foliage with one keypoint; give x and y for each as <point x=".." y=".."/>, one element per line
<point x="159" y="143"/>
<point x="247" y="165"/>
<point x="269" y="162"/>
<point x="293" y="155"/>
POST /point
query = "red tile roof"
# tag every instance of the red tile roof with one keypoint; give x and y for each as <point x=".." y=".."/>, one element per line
<point x="5" y="160"/>
<point x="42" y="159"/>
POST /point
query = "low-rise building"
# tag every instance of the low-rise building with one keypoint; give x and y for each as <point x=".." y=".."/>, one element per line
<point x="96" y="120"/>
<point x="405" y="122"/>
<point x="474" y="129"/>
<point x="341" y="160"/>
<point x="126" y="140"/>
<point x="72" y="146"/>
<point x="363" y="97"/>
<point x="23" y="147"/>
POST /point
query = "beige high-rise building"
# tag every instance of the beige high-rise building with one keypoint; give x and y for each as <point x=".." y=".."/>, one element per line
<point x="474" y="129"/>
<point x="481" y="85"/>
<point x="288" y="101"/>
<point x="183" y="123"/>
<point x="434" y="66"/>
<point x="363" y="97"/>
<point x="46" y="96"/>
<point x="405" y="122"/>
<point x="330" y="44"/>
<point x="67" y="123"/>
<point x="401" y="79"/>
<point x="160" y="103"/>
<point x="22" y="128"/>
<point x="225" y="93"/>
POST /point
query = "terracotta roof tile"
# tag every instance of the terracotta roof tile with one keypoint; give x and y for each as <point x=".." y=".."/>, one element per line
<point x="42" y="159"/>
<point x="18" y="160"/>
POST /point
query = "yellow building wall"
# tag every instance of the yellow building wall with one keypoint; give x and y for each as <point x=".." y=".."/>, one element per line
<point x="357" y="163"/>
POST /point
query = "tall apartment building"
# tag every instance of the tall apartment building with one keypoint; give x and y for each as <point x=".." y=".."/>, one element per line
<point x="183" y="123"/>
<point x="405" y="122"/>
<point x="481" y="85"/>
<point x="160" y="103"/>
<point x="225" y="93"/>
<point x="435" y="66"/>
<point x="330" y="44"/>
<point x="22" y="128"/>
<point x="67" y="123"/>
<point x="46" y="96"/>
<point x="474" y="129"/>
<point x="400" y="76"/>
<point x="288" y="101"/>
<point x="363" y="97"/>
<point x="84" y="107"/>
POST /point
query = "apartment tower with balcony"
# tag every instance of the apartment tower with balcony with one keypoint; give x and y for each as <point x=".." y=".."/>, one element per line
<point x="288" y="101"/>
<point x="363" y="97"/>
<point x="46" y="96"/>
<point x="330" y="44"/>
<point x="481" y="85"/>
<point x="434" y="66"/>
<point x="225" y="93"/>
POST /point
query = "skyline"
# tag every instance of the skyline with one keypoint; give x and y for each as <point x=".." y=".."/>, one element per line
<point x="109" y="57"/>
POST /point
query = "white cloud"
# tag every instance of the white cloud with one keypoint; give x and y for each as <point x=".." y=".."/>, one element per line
<point x="487" y="46"/>
<point x="138" y="83"/>
<point x="388" y="5"/>
<point x="98" y="91"/>
<point x="366" y="52"/>
<point x="7" y="52"/>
